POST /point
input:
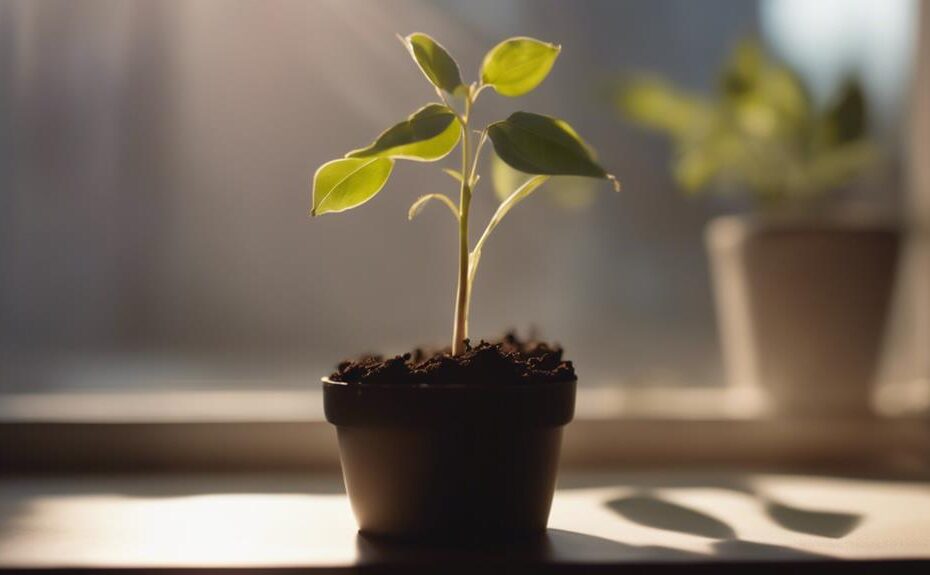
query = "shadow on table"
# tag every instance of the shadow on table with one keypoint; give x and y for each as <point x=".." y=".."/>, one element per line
<point x="556" y="546"/>
<point x="569" y="552"/>
<point x="645" y="507"/>
<point x="652" y="511"/>
<point x="811" y="522"/>
<point x="657" y="513"/>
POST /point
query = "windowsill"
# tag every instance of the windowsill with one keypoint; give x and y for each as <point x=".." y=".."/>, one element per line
<point x="287" y="405"/>
<point x="306" y="406"/>
<point x="285" y="429"/>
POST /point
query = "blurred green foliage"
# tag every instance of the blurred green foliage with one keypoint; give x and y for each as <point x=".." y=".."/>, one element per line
<point x="759" y="133"/>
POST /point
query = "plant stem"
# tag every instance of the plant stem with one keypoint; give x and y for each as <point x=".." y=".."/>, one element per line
<point x="460" y="329"/>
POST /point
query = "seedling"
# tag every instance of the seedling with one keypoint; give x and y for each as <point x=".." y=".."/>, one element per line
<point x="532" y="143"/>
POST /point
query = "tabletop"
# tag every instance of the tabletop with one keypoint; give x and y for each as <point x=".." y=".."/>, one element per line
<point x="685" y="522"/>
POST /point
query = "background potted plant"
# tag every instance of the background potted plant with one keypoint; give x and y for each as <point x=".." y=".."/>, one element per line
<point x="464" y="441"/>
<point x="802" y="289"/>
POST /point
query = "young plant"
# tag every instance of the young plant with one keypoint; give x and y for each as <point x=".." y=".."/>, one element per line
<point x="532" y="143"/>
<point x="760" y="134"/>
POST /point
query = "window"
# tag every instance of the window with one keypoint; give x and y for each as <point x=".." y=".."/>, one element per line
<point x="154" y="236"/>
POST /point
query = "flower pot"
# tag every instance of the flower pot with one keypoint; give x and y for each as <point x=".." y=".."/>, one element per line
<point x="802" y="305"/>
<point x="456" y="462"/>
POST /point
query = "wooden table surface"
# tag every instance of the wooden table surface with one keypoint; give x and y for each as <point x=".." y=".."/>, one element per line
<point x="658" y="522"/>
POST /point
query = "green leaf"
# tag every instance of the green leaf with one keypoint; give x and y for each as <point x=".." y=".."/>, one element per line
<point x="741" y="74"/>
<point x="421" y="202"/>
<point x="517" y="65"/>
<point x="454" y="174"/>
<point x="838" y="166"/>
<point x="568" y="192"/>
<point x="435" y="62"/>
<point x="715" y="159"/>
<point x="538" y="144"/>
<point x="846" y="118"/>
<point x="763" y="96"/>
<point x="505" y="179"/>
<point x="427" y="135"/>
<point x="343" y="184"/>
<point x="654" y="103"/>
<point x="518" y="195"/>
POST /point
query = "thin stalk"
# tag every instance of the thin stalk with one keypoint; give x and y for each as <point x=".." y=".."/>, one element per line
<point x="460" y="329"/>
<point x="473" y="178"/>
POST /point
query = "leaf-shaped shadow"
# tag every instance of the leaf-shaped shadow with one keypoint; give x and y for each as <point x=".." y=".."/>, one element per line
<point x="822" y="523"/>
<point x="660" y="514"/>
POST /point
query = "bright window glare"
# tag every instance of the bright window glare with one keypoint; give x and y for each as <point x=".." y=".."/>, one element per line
<point x="827" y="40"/>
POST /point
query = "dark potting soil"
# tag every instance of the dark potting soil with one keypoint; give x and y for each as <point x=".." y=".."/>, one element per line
<point x="509" y="361"/>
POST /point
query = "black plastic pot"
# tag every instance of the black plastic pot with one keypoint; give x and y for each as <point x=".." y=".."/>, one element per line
<point x="476" y="462"/>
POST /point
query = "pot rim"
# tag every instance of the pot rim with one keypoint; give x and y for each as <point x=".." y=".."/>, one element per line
<point x="326" y="381"/>
<point x="728" y="231"/>
<point x="842" y="221"/>
<point x="545" y="404"/>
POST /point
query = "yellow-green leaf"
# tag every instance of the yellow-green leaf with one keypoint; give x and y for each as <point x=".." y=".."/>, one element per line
<point x="657" y="104"/>
<point x="505" y="179"/>
<point x="343" y="184"/>
<point x="518" y="195"/>
<point x="437" y="65"/>
<point x="846" y="118"/>
<point x="427" y="135"/>
<point x="538" y="144"/>
<point x="569" y="192"/>
<point x="454" y="174"/>
<point x="517" y="65"/>
<point x="837" y="166"/>
<point x="421" y="202"/>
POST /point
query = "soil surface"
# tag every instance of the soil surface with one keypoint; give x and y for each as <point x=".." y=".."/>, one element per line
<point x="508" y="361"/>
